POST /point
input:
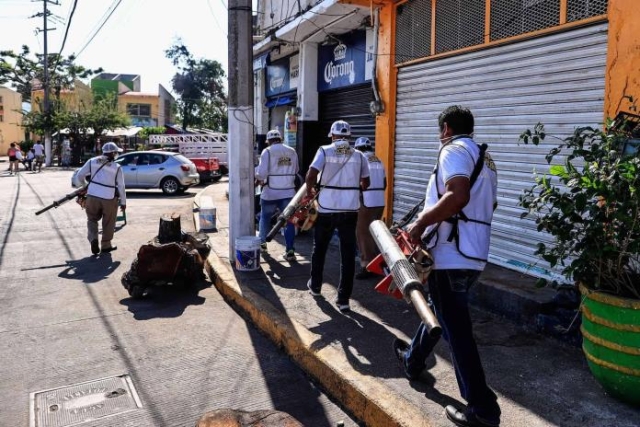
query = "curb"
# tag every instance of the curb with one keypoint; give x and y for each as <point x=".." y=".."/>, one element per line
<point x="368" y="400"/>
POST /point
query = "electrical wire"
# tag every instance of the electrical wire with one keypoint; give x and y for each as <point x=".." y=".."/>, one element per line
<point x="66" y="31"/>
<point x="99" y="28"/>
<point x="214" y="16"/>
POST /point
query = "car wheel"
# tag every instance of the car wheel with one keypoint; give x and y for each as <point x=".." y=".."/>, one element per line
<point x="170" y="186"/>
<point x="216" y="178"/>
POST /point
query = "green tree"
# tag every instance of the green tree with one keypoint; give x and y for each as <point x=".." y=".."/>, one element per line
<point x="151" y="130"/>
<point x="22" y="70"/>
<point x="199" y="83"/>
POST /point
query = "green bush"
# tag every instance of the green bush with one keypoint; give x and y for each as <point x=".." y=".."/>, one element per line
<point x="590" y="204"/>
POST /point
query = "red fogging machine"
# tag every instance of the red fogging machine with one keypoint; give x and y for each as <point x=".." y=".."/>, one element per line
<point x="406" y="268"/>
<point x="301" y="212"/>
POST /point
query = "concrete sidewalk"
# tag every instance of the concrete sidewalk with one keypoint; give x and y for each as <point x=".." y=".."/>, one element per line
<point x="540" y="381"/>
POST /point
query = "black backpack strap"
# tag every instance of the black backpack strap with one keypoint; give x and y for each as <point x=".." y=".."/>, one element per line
<point x="478" y="167"/>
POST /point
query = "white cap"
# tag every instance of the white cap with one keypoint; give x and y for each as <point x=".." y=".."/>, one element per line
<point x="273" y="134"/>
<point x="362" y="142"/>
<point x="111" y="147"/>
<point x="340" y="128"/>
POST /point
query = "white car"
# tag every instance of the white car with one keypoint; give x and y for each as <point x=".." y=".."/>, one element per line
<point x="171" y="172"/>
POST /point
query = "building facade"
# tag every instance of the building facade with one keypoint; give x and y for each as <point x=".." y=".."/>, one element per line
<point x="144" y="109"/>
<point x="565" y="63"/>
<point x="10" y="118"/>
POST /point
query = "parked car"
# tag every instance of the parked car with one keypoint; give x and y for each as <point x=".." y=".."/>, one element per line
<point x="171" y="172"/>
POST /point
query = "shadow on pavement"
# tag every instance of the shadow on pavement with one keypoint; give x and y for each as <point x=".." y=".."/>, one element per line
<point x="165" y="301"/>
<point x="91" y="269"/>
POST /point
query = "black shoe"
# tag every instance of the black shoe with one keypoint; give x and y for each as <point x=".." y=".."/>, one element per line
<point x="95" y="247"/>
<point x="400" y="348"/>
<point x="109" y="249"/>
<point x="312" y="291"/>
<point x="364" y="274"/>
<point x="343" y="306"/>
<point x="467" y="418"/>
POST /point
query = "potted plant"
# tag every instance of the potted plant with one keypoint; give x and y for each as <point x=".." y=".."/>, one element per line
<point x="590" y="203"/>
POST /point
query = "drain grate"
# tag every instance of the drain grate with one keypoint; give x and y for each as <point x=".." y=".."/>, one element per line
<point x="78" y="403"/>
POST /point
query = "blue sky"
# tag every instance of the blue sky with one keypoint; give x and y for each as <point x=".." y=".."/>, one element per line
<point x="132" y="41"/>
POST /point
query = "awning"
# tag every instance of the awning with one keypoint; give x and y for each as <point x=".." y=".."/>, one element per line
<point x="281" y="100"/>
<point x="128" y="131"/>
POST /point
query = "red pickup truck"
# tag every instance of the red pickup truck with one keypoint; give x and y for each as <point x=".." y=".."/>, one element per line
<point x="208" y="166"/>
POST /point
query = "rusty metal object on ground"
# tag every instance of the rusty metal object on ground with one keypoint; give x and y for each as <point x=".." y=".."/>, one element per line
<point x="178" y="263"/>
<point x="237" y="418"/>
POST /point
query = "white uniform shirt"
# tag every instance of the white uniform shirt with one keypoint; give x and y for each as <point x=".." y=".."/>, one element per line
<point x="278" y="167"/>
<point x="39" y="149"/>
<point x="104" y="179"/>
<point x="340" y="185"/>
<point x="458" y="158"/>
<point x="373" y="197"/>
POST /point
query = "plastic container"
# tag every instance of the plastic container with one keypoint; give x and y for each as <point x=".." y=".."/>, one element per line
<point x="207" y="219"/>
<point x="247" y="253"/>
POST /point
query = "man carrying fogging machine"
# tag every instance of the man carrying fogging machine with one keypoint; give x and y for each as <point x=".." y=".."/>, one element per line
<point x="455" y="227"/>
<point x="104" y="191"/>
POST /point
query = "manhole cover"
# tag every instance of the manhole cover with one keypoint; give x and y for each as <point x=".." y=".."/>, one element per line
<point x="74" y="404"/>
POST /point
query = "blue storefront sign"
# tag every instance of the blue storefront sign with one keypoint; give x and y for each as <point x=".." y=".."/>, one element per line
<point x="342" y="64"/>
<point x="277" y="78"/>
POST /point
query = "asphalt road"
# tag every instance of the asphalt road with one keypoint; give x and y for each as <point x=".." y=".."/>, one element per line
<point x="65" y="319"/>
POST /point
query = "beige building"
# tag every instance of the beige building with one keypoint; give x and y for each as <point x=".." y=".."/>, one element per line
<point x="10" y="118"/>
<point x="80" y="97"/>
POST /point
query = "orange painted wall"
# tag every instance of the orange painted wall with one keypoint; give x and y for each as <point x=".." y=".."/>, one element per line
<point x="386" y="80"/>
<point x="623" y="57"/>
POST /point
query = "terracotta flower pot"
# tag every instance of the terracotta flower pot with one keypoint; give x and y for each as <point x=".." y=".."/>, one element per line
<point x="611" y="332"/>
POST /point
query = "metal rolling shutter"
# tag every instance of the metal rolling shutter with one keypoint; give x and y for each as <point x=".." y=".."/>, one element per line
<point x="557" y="80"/>
<point x="352" y="105"/>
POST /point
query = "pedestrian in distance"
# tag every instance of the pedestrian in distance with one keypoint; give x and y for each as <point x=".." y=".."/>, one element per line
<point x="339" y="172"/>
<point x="276" y="173"/>
<point x="28" y="161"/>
<point x="39" y="152"/>
<point x="13" y="159"/>
<point x="455" y="226"/>
<point x="105" y="189"/>
<point x="371" y="207"/>
<point x="20" y="159"/>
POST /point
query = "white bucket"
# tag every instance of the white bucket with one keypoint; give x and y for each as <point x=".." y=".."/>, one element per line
<point x="247" y="253"/>
<point x="207" y="219"/>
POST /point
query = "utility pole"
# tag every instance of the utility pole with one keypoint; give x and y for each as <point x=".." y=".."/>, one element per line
<point x="241" y="155"/>
<point x="45" y="84"/>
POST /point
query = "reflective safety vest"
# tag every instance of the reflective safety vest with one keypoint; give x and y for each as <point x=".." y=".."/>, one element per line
<point x="373" y="197"/>
<point x="340" y="178"/>
<point x="104" y="174"/>
<point x="471" y="227"/>
<point x="282" y="167"/>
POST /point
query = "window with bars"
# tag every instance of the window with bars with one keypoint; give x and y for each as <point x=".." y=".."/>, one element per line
<point x="513" y="17"/>
<point x="462" y="23"/>
<point x="143" y="110"/>
<point x="582" y="9"/>
<point x="413" y="30"/>
<point x="459" y="24"/>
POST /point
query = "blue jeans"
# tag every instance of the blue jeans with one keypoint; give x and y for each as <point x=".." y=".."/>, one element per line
<point x="345" y="223"/>
<point x="448" y="290"/>
<point x="267" y="209"/>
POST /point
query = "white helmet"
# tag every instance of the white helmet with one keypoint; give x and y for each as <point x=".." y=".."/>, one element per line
<point x="340" y="128"/>
<point x="111" y="147"/>
<point x="273" y="134"/>
<point x="362" y="142"/>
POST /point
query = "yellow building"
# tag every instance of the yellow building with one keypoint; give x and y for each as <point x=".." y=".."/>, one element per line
<point x="80" y="97"/>
<point x="10" y="118"/>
